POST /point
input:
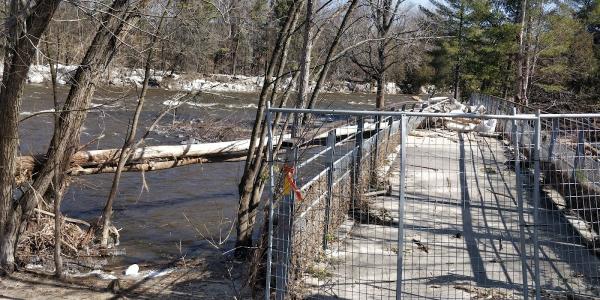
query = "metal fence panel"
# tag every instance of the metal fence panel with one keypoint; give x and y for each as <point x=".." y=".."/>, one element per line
<point x="396" y="205"/>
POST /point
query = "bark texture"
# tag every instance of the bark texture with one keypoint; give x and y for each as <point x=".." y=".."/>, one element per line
<point x="247" y="207"/>
<point x="24" y="27"/>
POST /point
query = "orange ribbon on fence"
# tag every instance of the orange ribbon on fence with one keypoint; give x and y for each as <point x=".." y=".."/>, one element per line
<point x="289" y="185"/>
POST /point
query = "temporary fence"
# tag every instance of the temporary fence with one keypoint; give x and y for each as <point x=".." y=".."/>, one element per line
<point x="396" y="205"/>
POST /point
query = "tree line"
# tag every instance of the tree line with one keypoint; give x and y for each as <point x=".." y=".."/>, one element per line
<point x="546" y="52"/>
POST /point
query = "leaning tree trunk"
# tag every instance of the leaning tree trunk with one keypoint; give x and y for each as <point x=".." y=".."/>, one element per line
<point x="117" y="21"/>
<point x="126" y="150"/>
<point x="247" y="209"/>
<point x="329" y="59"/>
<point x="23" y="36"/>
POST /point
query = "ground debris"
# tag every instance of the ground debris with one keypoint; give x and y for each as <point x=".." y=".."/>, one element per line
<point x="421" y="246"/>
<point x="484" y="293"/>
<point x="36" y="245"/>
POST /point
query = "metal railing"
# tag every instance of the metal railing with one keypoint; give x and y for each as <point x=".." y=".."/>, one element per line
<point x="396" y="207"/>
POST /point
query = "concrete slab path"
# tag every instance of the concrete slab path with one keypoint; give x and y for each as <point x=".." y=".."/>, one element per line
<point x="462" y="234"/>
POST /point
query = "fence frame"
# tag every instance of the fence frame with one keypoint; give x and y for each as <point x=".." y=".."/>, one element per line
<point x="407" y="121"/>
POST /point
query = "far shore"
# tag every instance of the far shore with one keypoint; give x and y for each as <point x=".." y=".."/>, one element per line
<point x="122" y="77"/>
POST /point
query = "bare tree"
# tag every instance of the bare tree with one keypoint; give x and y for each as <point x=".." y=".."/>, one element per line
<point x="247" y="207"/>
<point x="127" y="148"/>
<point x="374" y="58"/>
<point x="57" y="185"/>
<point x="251" y="185"/>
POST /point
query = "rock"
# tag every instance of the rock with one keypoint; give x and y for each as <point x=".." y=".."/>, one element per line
<point x="100" y="274"/>
<point x="114" y="286"/>
<point x="35" y="77"/>
<point x="391" y="88"/>
<point x="487" y="126"/>
<point x="132" y="270"/>
<point x="119" y="76"/>
<point x="435" y="100"/>
<point x="153" y="82"/>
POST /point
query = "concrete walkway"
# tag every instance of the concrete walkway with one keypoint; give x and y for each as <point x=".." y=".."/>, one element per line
<point x="462" y="233"/>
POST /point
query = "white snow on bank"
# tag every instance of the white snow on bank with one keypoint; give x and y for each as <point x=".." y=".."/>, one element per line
<point x="190" y="82"/>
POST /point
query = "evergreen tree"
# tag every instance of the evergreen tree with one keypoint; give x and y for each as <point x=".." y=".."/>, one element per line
<point x="474" y="54"/>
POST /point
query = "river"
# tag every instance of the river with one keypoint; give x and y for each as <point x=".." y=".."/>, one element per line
<point x="153" y="221"/>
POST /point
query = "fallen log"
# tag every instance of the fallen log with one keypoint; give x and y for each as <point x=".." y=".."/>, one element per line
<point x="153" y="158"/>
<point x="144" y="159"/>
<point x="139" y="167"/>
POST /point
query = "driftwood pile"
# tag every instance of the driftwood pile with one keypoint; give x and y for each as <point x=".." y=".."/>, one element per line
<point x="78" y="239"/>
<point x="37" y="241"/>
<point x="448" y="105"/>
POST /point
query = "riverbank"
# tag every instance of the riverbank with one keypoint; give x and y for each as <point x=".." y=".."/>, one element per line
<point x="123" y="77"/>
<point x="207" y="278"/>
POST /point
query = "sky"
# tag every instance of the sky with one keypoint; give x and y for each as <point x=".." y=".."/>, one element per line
<point x="416" y="3"/>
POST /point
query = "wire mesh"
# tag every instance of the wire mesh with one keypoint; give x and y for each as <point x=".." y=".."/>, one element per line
<point x="509" y="214"/>
<point x="568" y="210"/>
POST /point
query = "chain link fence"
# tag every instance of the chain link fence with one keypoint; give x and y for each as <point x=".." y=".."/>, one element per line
<point x="425" y="205"/>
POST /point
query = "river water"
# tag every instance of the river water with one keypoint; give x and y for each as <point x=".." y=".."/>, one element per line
<point x="154" y="222"/>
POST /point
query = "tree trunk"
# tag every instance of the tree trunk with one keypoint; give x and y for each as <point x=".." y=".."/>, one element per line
<point x="126" y="149"/>
<point x="246" y="208"/>
<point x="116" y="24"/>
<point x="57" y="186"/>
<point x="305" y="61"/>
<point x="19" y="53"/>
<point x="520" y="88"/>
<point x="380" y="76"/>
<point x="327" y="64"/>
<point x="457" y="63"/>
<point x="379" y="100"/>
<point x="235" y="35"/>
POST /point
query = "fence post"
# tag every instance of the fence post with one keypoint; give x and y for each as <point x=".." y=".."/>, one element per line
<point x="402" y="198"/>
<point x="357" y="183"/>
<point x="554" y="135"/>
<point x="536" y="204"/>
<point x="270" y="159"/>
<point x="285" y="231"/>
<point x="523" y="254"/>
<point x="579" y="154"/>
<point x="330" y="160"/>
<point x="390" y="121"/>
<point x="375" y="153"/>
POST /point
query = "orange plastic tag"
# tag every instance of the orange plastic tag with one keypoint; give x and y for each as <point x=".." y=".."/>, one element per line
<point x="289" y="185"/>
